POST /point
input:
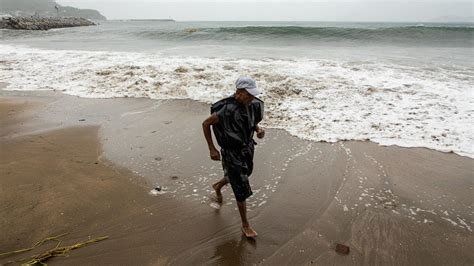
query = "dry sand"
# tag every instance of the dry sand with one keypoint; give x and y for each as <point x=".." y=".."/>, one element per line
<point x="85" y="166"/>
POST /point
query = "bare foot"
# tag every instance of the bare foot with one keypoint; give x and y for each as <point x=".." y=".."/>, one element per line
<point x="249" y="232"/>
<point x="218" y="197"/>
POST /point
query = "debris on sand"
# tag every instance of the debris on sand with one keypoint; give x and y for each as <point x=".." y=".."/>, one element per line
<point x="55" y="252"/>
<point x="342" y="249"/>
<point x="158" y="190"/>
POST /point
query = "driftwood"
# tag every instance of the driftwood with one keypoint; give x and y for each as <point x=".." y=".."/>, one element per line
<point x="55" y="252"/>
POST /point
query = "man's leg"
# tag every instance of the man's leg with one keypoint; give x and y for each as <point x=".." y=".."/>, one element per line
<point x="218" y="186"/>
<point x="246" y="229"/>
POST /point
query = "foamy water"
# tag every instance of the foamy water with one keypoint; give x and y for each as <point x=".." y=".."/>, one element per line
<point x="321" y="100"/>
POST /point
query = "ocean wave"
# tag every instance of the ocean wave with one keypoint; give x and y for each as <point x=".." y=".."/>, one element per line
<point x="321" y="100"/>
<point x="415" y="35"/>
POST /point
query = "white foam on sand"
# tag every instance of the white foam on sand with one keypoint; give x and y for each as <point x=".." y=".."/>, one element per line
<point x="320" y="100"/>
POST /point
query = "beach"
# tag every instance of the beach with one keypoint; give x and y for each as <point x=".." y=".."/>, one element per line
<point x="87" y="166"/>
<point x="368" y="147"/>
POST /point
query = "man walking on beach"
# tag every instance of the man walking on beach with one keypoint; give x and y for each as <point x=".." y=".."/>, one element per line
<point x="234" y="121"/>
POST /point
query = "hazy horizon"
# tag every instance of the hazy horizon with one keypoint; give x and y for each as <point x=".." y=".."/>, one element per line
<point x="350" y="11"/>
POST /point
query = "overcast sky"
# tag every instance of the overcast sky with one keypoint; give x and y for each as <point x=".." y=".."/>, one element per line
<point x="267" y="10"/>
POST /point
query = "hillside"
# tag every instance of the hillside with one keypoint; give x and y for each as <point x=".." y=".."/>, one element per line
<point x="45" y="8"/>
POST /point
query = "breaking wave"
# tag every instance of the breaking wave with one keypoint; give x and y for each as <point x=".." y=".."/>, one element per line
<point x="322" y="100"/>
<point x="409" y="35"/>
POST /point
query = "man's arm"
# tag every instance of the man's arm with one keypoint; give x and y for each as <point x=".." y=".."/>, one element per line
<point x="206" y="127"/>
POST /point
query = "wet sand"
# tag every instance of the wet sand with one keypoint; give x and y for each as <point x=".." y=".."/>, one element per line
<point x="85" y="166"/>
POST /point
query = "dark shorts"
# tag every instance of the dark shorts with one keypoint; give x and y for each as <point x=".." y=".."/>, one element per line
<point x="238" y="177"/>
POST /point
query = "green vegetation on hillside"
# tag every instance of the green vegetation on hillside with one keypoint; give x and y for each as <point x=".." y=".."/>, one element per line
<point x="45" y="8"/>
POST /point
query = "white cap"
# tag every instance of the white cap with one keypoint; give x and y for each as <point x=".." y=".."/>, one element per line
<point x="248" y="84"/>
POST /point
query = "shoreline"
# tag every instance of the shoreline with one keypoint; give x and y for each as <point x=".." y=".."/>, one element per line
<point x="200" y="104"/>
<point x="308" y="195"/>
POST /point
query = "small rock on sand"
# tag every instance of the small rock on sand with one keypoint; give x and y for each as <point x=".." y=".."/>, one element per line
<point x="342" y="249"/>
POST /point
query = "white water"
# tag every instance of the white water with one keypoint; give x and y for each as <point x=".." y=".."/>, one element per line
<point x="322" y="100"/>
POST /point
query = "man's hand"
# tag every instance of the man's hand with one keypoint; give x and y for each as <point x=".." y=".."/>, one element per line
<point x="215" y="155"/>
<point x="260" y="132"/>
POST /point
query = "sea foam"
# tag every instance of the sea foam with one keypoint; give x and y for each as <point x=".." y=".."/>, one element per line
<point x="321" y="100"/>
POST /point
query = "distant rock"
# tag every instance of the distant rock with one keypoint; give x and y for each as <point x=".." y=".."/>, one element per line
<point x="153" y="19"/>
<point x="45" y="8"/>
<point x="39" y="23"/>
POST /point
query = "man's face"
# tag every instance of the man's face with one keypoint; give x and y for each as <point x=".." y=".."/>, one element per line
<point x="243" y="97"/>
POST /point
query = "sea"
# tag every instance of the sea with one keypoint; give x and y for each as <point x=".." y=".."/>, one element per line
<point x="405" y="84"/>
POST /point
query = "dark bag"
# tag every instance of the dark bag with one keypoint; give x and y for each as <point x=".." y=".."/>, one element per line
<point x="219" y="129"/>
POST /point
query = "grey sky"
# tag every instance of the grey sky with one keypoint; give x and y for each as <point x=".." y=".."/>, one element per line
<point x="258" y="10"/>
